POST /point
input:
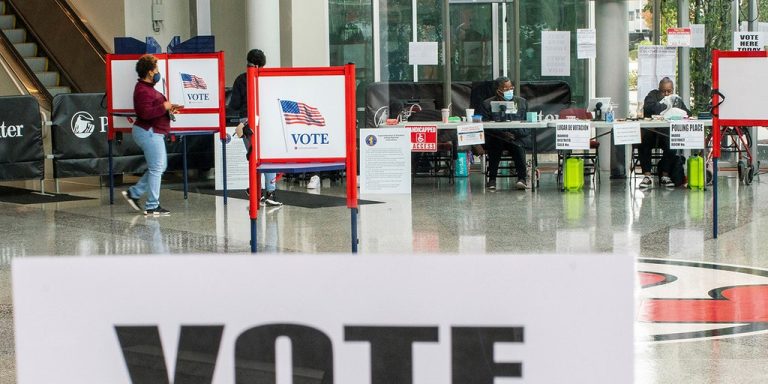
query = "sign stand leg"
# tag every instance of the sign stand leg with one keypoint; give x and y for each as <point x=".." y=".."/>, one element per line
<point x="111" y="176"/>
<point x="184" y="157"/>
<point x="714" y="197"/>
<point x="354" y="230"/>
<point x="224" y="167"/>
<point x="534" y="163"/>
<point x="253" y="235"/>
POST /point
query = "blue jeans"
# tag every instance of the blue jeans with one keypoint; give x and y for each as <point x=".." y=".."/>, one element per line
<point x="269" y="178"/>
<point x="153" y="145"/>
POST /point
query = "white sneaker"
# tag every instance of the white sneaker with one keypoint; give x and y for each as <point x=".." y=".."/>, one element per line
<point x="646" y="183"/>
<point x="314" y="182"/>
<point x="522" y="185"/>
<point x="667" y="182"/>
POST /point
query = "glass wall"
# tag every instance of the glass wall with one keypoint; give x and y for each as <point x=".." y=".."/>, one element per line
<point x="351" y="40"/>
<point x="472" y="42"/>
<point x="482" y="39"/>
<point x="553" y="15"/>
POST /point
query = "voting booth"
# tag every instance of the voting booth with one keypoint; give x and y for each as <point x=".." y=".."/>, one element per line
<point x="195" y="81"/>
<point x="303" y="121"/>
<point x="739" y="91"/>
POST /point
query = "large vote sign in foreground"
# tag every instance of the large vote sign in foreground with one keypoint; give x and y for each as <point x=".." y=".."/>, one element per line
<point x="537" y="319"/>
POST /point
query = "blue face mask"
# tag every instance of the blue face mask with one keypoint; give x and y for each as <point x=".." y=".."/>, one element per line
<point x="156" y="78"/>
<point x="509" y="95"/>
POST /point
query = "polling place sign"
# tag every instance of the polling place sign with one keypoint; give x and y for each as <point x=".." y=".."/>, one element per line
<point x="537" y="319"/>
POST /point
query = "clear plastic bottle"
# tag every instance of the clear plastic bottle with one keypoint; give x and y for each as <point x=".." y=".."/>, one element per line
<point x="609" y="115"/>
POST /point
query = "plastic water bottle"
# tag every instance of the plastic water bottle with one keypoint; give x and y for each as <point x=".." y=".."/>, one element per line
<point x="609" y="115"/>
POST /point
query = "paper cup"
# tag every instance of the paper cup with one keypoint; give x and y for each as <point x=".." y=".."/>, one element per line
<point x="470" y="113"/>
<point x="445" y="113"/>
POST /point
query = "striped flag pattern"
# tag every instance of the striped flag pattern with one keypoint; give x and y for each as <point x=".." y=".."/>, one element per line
<point x="300" y="113"/>
<point x="193" y="81"/>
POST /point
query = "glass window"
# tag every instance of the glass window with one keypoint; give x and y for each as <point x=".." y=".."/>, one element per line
<point x="552" y="15"/>
<point x="429" y="27"/>
<point x="396" y="18"/>
<point x="471" y="42"/>
<point x="350" y="36"/>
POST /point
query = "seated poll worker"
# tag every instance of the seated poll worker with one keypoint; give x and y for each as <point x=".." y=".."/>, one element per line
<point x="512" y="140"/>
<point x="660" y="101"/>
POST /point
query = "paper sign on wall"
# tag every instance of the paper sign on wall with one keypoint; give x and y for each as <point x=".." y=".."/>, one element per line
<point x="470" y="134"/>
<point x="555" y="53"/>
<point x="626" y="133"/>
<point x="422" y="53"/>
<point x="423" y="138"/>
<point x="572" y="135"/>
<point x="686" y="135"/>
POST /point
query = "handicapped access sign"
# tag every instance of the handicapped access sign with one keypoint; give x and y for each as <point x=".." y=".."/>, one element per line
<point x="423" y="138"/>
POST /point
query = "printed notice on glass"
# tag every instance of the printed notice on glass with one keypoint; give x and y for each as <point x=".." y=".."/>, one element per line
<point x="655" y="62"/>
<point x="586" y="43"/>
<point x="698" y="36"/>
<point x="470" y="134"/>
<point x="626" y="133"/>
<point x="571" y="135"/>
<point x="686" y="135"/>
<point x="555" y="53"/>
<point x="385" y="161"/>
<point x="679" y="37"/>
<point x="422" y="53"/>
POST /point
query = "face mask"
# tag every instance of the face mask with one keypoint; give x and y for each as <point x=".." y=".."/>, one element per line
<point x="508" y="95"/>
<point x="156" y="78"/>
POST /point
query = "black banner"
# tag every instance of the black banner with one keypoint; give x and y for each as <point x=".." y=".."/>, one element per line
<point x="21" y="139"/>
<point x="80" y="145"/>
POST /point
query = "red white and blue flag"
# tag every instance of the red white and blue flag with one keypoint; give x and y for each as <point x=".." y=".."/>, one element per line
<point x="193" y="81"/>
<point x="300" y="113"/>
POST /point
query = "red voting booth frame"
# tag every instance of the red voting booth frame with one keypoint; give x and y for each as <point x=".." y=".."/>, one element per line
<point x="304" y="164"/>
<point x="181" y="132"/>
<point x="717" y="122"/>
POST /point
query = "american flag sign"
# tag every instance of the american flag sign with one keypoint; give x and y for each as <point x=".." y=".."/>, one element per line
<point x="193" y="81"/>
<point x="300" y="113"/>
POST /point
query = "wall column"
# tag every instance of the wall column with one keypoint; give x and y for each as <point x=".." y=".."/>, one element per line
<point x="611" y="71"/>
<point x="263" y="28"/>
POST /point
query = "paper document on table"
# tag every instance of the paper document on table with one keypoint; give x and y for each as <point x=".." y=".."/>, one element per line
<point x="626" y="133"/>
<point x="470" y="134"/>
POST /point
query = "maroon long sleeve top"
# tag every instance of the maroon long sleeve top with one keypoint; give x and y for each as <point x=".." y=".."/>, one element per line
<point x="150" y="112"/>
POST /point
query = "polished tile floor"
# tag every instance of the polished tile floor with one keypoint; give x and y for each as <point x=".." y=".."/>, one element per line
<point x="669" y="232"/>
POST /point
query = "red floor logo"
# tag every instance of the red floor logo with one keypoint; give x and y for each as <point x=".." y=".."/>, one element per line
<point x="688" y="300"/>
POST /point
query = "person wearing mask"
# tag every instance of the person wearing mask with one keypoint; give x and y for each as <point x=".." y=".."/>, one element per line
<point x="239" y="103"/>
<point x="511" y="140"/>
<point x="657" y="102"/>
<point x="153" y="123"/>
